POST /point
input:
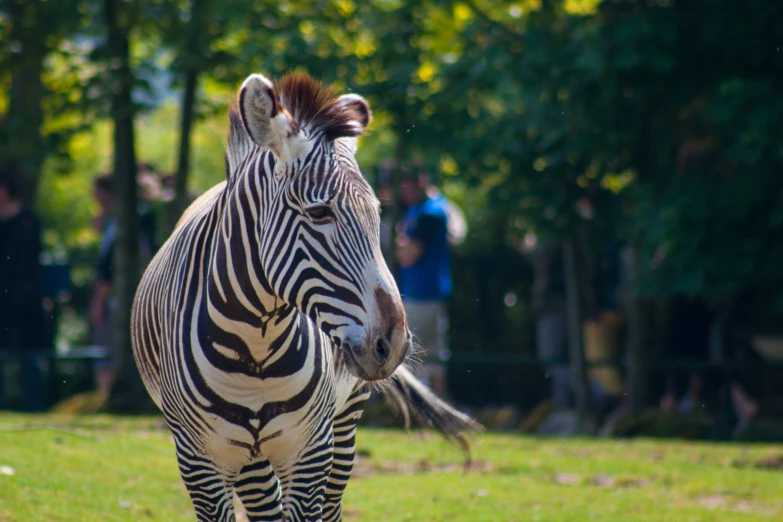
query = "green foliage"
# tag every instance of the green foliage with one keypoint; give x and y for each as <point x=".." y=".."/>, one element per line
<point x="520" y="109"/>
<point x="548" y="101"/>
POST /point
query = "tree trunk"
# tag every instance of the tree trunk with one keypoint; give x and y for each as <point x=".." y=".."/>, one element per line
<point x="720" y="351"/>
<point x="191" y="57"/>
<point x="22" y="142"/>
<point x="575" y="314"/>
<point x="181" y="199"/>
<point x="637" y="377"/>
<point x="639" y="347"/>
<point x="400" y="106"/>
<point x="127" y="394"/>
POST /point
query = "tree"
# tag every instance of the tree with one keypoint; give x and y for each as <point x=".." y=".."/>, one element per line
<point x="191" y="34"/>
<point x="127" y="392"/>
<point x="34" y="30"/>
<point x="549" y="101"/>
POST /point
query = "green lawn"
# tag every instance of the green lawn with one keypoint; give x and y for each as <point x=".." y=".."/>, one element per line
<point x="102" y="468"/>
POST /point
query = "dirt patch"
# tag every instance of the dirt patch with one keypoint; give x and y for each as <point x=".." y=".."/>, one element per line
<point x="713" y="502"/>
<point x="755" y="508"/>
<point x="605" y="481"/>
<point x="771" y="462"/>
<point x="567" y="479"/>
<point x="656" y="456"/>
<point x="365" y="468"/>
<point x="774" y="462"/>
<point x="725" y="503"/>
<point x="602" y="481"/>
<point x="627" y="482"/>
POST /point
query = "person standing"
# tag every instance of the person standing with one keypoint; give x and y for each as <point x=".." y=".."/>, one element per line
<point x="425" y="273"/>
<point x="549" y="306"/>
<point x="103" y="303"/>
<point x="21" y="298"/>
<point x="150" y="202"/>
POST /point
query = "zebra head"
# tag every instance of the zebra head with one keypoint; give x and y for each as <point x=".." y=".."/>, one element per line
<point x="318" y="219"/>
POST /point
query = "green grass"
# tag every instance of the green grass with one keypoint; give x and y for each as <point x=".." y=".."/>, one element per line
<point x="102" y="468"/>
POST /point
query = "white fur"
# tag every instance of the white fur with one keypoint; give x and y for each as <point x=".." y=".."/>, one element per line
<point x="278" y="133"/>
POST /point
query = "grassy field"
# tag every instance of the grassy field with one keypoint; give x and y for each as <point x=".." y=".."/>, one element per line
<point x="100" y="468"/>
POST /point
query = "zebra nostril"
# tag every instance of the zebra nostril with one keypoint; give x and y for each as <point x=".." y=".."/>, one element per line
<point x="382" y="349"/>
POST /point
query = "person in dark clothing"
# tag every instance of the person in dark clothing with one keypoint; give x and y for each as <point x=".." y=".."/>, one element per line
<point x="103" y="304"/>
<point x="150" y="198"/>
<point x="21" y="300"/>
<point x="687" y="338"/>
<point x="549" y="305"/>
<point x="691" y="330"/>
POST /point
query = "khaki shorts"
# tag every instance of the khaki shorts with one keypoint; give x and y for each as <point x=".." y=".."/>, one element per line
<point x="429" y="324"/>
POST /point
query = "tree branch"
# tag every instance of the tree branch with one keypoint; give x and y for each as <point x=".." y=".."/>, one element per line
<point x="491" y="21"/>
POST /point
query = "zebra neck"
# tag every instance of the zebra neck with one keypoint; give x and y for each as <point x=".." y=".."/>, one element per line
<point x="247" y="320"/>
<point x="239" y="297"/>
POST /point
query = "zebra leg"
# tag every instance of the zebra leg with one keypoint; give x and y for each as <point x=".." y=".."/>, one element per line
<point x="208" y="487"/>
<point x="303" y="472"/>
<point x="259" y="490"/>
<point x="344" y="449"/>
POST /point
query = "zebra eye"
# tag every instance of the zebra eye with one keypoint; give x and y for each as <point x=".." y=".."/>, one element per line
<point x="320" y="213"/>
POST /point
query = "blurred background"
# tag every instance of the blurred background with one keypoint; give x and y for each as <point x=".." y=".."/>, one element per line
<point x="610" y="173"/>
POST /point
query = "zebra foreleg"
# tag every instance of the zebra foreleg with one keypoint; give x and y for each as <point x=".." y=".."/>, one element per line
<point x="209" y="489"/>
<point x="259" y="490"/>
<point x="344" y="450"/>
<point x="303" y="475"/>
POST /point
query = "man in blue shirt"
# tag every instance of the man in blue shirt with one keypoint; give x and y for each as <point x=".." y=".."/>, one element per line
<point x="425" y="274"/>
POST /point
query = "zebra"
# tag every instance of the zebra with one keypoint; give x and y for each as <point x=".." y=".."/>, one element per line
<point x="259" y="325"/>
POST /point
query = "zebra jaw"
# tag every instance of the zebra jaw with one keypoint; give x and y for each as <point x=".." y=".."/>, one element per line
<point x="352" y="365"/>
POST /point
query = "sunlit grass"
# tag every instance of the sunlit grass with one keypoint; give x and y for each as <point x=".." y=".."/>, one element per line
<point x="118" y="469"/>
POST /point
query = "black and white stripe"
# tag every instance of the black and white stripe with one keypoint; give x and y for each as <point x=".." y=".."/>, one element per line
<point x="258" y="323"/>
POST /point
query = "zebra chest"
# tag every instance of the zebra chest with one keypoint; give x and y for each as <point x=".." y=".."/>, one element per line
<point x="247" y="386"/>
<point x="255" y="394"/>
<point x="247" y="416"/>
<point x="251" y="375"/>
<point x="250" y="395"/>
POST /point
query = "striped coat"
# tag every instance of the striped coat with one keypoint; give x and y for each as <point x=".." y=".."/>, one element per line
<point x="259" y="323"/>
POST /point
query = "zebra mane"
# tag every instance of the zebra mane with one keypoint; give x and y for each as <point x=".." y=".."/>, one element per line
<point x="318" y="106"/>
<point x="239" y="143"/>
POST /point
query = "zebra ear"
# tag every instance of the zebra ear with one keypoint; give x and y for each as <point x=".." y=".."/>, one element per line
<point x="358" y="109"/>
<point x="267" y="123"/>
<point x="359" y="117"/>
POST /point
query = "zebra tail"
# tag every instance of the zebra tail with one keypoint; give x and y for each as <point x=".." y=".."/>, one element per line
<point x="409" y="397"/>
